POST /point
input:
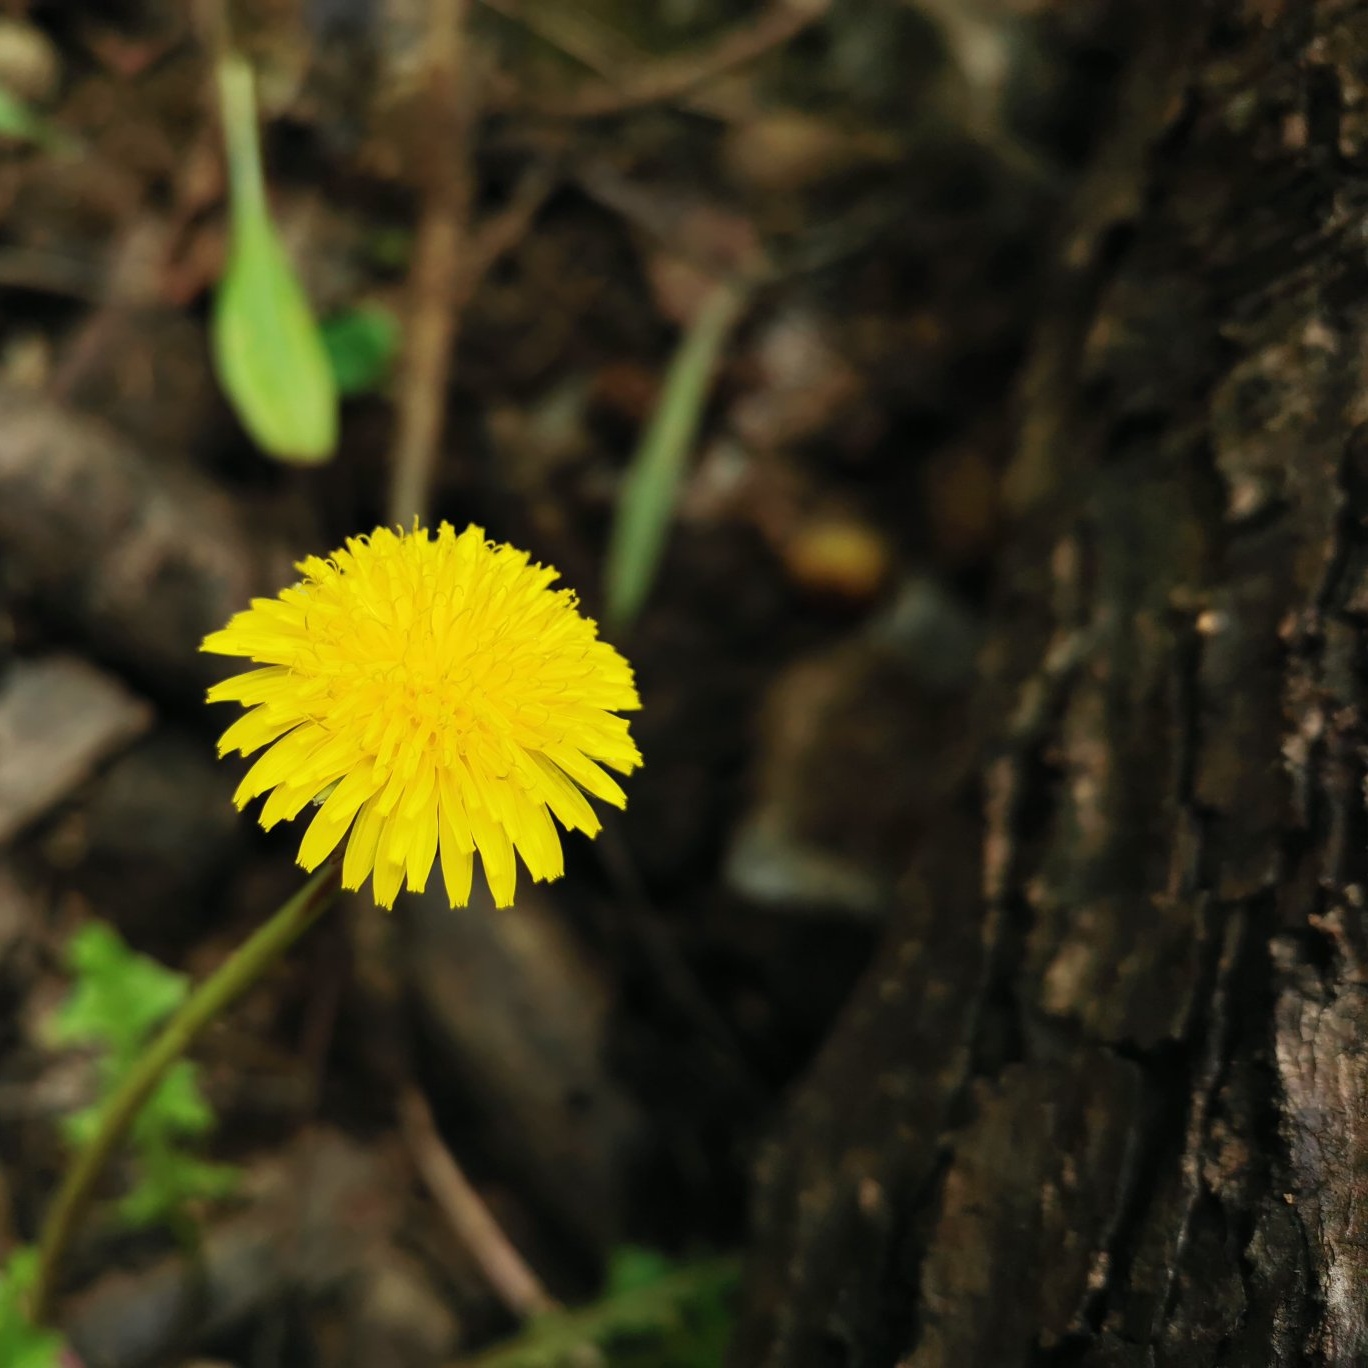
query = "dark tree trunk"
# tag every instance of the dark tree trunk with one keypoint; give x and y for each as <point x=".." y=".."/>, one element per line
<point x="1103" y="1099"/>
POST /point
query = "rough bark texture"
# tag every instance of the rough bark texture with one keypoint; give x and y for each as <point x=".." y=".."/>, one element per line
<point x="1103" y="1099"/>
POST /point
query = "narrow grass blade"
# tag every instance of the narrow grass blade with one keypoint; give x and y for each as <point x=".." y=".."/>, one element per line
<point x="651" y="487"/>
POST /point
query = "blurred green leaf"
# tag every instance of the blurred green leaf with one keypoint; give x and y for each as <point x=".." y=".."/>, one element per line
<point x="361" y="345"/>
<point x="18" y="121"/>
<point x="169" y="1180"/>
<point x="631" y="1267"/>
<point x="119" y="995"/>
<point x="177" y="1107"/>
<point x="23" y="1344"/>
<point x="118" y="999"/>
<point x="651" y="487"/>
<point x="268" y="351"/>
<point x="653" y="1314"/>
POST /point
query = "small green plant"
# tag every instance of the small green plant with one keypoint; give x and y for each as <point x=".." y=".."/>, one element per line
<point x="118" y="1115"/>
<point x="268" y="350"/>
<point x="23" y="1344"/>
<point x="118" y="1000"/>
<point x="361" y="344"/>
<point x="653" y="1314"/>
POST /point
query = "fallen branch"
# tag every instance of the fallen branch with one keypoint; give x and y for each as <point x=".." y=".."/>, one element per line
<point x="437" y="284"/>
<point x="517" y="1286"/>
<point x="666" y="79"/>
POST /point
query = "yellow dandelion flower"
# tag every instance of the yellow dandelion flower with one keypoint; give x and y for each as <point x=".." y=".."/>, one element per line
<point x="437" y="697"/>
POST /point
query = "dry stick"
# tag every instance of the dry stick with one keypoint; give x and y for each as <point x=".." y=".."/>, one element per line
<point x="517" y="1286"/>
<point x="490" y="240"/>
<point x="8" y="1238"/>
<point x="673" y="78"/>
<point x="437" y="282"/>
<point x="594" y="45"/>
<point x="501" y="232"/>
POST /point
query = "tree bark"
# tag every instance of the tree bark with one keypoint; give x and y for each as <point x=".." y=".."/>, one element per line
<point x="1103" y="1098"/>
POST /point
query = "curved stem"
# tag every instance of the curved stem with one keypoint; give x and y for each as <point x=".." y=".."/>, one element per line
<point x="232" y="978"/>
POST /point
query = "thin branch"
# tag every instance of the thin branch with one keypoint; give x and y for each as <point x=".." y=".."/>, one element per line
<point x="501" y="232"/>
<point x="517" y="1286"/>
<point x="592" y="44"/>
<point x="437" y="284"/>
<point x="669" y="78"/>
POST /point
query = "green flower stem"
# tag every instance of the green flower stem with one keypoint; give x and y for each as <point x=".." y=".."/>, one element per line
<point x="232" y="978"/>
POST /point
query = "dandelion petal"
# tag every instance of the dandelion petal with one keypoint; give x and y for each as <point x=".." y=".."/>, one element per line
<point x="447" y="699"/>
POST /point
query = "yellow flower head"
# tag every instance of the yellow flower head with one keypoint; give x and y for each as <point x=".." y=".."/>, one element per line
<point x="437" y="695"/>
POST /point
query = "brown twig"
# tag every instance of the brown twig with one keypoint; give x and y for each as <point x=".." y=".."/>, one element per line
<point x="501" y="232"/>
<point x="517" y="1286"/>
<point x="8" y="1236"/>
<point x="209" y="23"/>
<point x="601" y="49"/>
<point x="436" y="281"/>
<point x="670" y="78"/>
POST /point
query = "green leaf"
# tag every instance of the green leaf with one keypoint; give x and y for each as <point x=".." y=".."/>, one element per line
<point x="268" y="351"/>
<point x="631" y="1267"/>
<point x="18" y="121"/>
<point x="170" y="1179"/>
<point x="651" y="487"/>
<point x="663" y="1316"/>
<point x="361" y="345"/>
<point x="23" y="1344"/>
<point x="119" y="994"/>
<point x="119" y="998"/>
<point x="177" y="1107"/>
